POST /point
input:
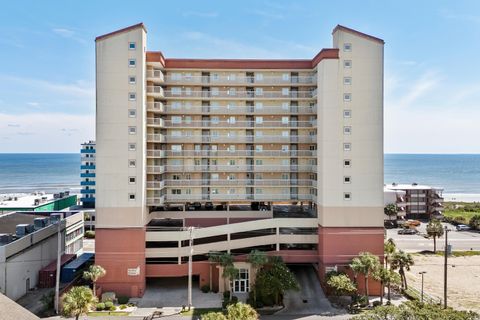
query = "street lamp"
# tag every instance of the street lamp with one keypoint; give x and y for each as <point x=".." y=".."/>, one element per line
<point x="445" y="268"/>
<point x="422" y="273"/>
<point x="190" y="230"/>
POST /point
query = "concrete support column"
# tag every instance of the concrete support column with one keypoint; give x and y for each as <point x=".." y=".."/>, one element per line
<point x="228" y="242"/>
<point x="179" y="249"/>
<point x="277" y="231"/>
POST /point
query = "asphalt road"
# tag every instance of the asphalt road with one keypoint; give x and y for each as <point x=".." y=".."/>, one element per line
<point x="460" y="240"/>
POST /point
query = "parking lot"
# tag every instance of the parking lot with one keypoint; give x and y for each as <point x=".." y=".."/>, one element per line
<point x="460" y="240"/>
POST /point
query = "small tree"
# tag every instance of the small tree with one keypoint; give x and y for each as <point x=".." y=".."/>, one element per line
<point x="435" y="230"/>
<point x="94" y="273"/>
<point x="257" y="259"/>
<point x="386" y="277"/>
<point x="366" y="263"/>
<point x="402" y="261"/>
<point x="225" y="260"/>
<point x="341" y="285"/>
<point x="390" y="210"/>
<point x="389" y="249"/>
<point x="475" y="222"/>
<point x="78" y="301"/>
<point x="241" y="311"/>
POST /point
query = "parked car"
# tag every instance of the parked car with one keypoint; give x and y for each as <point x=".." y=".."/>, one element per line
<point x="407" y="231"/>
<point x="208" y="206"/>
<point x="415" y="223"/>
<point x="463" y="227"/>
<point x="390" y="224"/>
<point x="197" y="205"/>
<point x="190" y="207"/>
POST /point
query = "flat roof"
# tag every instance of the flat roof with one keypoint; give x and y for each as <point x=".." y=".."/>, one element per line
<point x="9" y="221"/>
<point x="25" y="201"/>
<point x="405" y="186"/>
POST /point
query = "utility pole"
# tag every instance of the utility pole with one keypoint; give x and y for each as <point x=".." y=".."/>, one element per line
<point x="422" y="273"/>
<point x="57" y="274"/>
<point x="445" y="269"/>
<point x="190" y="229"/>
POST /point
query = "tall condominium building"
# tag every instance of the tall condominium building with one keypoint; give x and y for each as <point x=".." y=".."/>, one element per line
<point x="87" y="174"/>
<point x="284" y="156"/>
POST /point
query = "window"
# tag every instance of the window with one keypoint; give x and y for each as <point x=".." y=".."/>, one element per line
<point x="347" y="196"/>
<point x="285" y="134"/>
<point x="259" y="105"/>
<point x="188" y="76"/>
<point x="347" y="47"/>
<point x="176" y="148"/>
<point x="132" y="146"/>
<point x="347" y="63"/>
<point x="259" y="133"/>
<point x="214" y="176"/>
<point x="347" y="80"/>
<point x="232" y="77"/>
<point x="131" y="180"/>
<point x="131" y="196"/>
<point x="214" y="191"/>
<point x="132" y="163"/>
<point x="259" y="76"/>
<point x="347" y="97"/>
<point x="176" y="191"/>
<point x="215" y="120"/>
<point x="258" y="191"/>
<point x="215" y="76"/>
<point x="232" y="176"/>
<point x="176" y="119"/>
<point x="284" y="120"/>
<point x="231" y="148"/>
<point x="188" y="91"/>
<point x="347" y="179"/>
<point x="285" y="76"/>
<point x="285" y="162"/>
<point x="347" y="146"/>
<point x="285" y="176"/>
<point x="231" y="191"/>
<point x="285" y="91"/>
<point x="231" y="134"/>
<point x="285" y="148"/>
<point x="132" y="79"/>
<point x="347" y="113"/>
<point x="132" y="96"/>
<point x="132" y="63"/>
<point x="347" y="130"/>
<point x="285" y="105"/>
<point x="188" y="119"/>
<point x="176" y="76"/>
<point x="347" y="163"/>
<point x="132" y="46"/>
<point x="215" y="91"/>
<point x="258" y="91"/>
<point x="232" y="92"/>
<point x="231" y="120"/>
<point x="176" y="91"/>
<point x="259" y="162"/>
<point x="258" y="148"/>
<point x="132" y="130"/>
<point x="176" y="133"/>
<point x="258" y="120"/>
<point x="132" y="113"/>
<point x="231" y="162"/>
<point x="188" y="191"/>
<point x="176" y="177"/>
<point x="176" y="104"/>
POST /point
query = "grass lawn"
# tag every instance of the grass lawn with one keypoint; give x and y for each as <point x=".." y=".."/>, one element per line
<point x="200" y="311"/>
<point x="458" y="213"/>
<point x="110" y="313"/>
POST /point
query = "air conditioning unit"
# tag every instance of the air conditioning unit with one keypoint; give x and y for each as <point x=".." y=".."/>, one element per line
<point x="23" y="229"/>
<point x="40" y="223"/>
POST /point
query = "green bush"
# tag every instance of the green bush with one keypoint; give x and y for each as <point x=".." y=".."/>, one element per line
<point x="205" y="288"/>
<point x="226" y="295"/>
<point x="123" y="299"/>
<point x="234" y="300"/>
<point x="90" y="234"/>
<point x="100" y="306"/>
<point x="475" y="222"/>
<point x="213" y="316"/>
<point x="109" y="305"/>
<point x="122" y="307"/>
<point x="112" y="308"/>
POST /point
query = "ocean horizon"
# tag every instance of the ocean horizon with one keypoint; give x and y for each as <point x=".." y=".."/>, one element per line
<point x="53" y="172"/>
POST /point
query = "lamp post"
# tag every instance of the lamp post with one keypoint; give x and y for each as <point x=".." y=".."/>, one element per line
<point x="445" y="269"/>
<point x="422" y="273"/>
<point x="190" y="229"/>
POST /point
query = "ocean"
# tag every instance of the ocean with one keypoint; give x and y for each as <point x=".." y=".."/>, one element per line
<point x="456" y="173"/>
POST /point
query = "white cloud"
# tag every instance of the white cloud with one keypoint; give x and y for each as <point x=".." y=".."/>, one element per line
<point x="45" y="132"/>
<point x="33" y="104"/>
<point x="69" y="34"/>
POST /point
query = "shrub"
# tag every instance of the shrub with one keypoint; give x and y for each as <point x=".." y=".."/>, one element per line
<point x="112" y="308"/>
<point x="123" y="299"/>
<point x="109" y="305"/>
<point x="234" y="300"/>
<point x="213" y="316"/>
<point x="475" y="222"/>
<point x="90" y="234"/>
<point x="376" y="303"/>
<point x="205" y="288"/>
<point x="100" y="306"/>
<point x="122" y="307"/>
<point x="226" y="295"/>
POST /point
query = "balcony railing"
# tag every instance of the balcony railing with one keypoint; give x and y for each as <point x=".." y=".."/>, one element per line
<point x="155" y="106"/>
<point x="155" y="90"/>
<point x="220" y="80"/>
<point x="226" y="109"/>
<point x="87" y="191"/>
<point x="87" y="183"/>
<point x="233" y="182"/>
<point x="241" y="139"/>
<point x="237" y="94"/>
<point x="157" y="122"/>
<point x="155" y="75"/>
<point x="156" y="169"/>
<point x="87" y="175"/>
<point x="228" y="153"/>
<point x="156" y="138"/>
<point x="83" y="167"/>
<point x="87" y="151"/>
<point x="155" y="184"/>
<point x="232" y="124"/>
<point x="155" y="201"/>
<point x="248" y="197"/>
<point x="241" y="168"/>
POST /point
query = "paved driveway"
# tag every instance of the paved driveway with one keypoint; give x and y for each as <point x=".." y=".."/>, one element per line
<point x="172" y="292"/>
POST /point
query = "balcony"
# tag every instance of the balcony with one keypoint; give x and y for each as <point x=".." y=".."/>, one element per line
<point x="241" y="110"/>
<point x="156" y="122"/>
<point x="155" y="106"/>
<point x="238" y="197"/>
<point x="228" y="153"/>
<point x="155" y="184"/>
<point x="87" y="151"/>
<point x="84" y="167"/>
<point x="87" y="191"/>
<point x="155" y="138"/>
<point x="241" y="139"/>
<point x="155" y="91"/>
<point x="87" y="183"/>
<point x="240" y="94"/>
<point x="236" y="182"/>
<point x="90" y="158"/>
<point x="155" y="201"/>
<point x="242" y="80"/>
<point x="89" y="199"/>
<point x="156" y="169"/>
<point x="87" y="175"/>
<point x="241" y="168"/>
<point x="233" y="124"/>
<point x="155" y="76"/>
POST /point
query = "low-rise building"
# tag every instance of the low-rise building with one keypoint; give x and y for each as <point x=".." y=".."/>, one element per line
<point x="415" y="201"/>
<point x="37" y="201"/>
<point x="28" y="242"/>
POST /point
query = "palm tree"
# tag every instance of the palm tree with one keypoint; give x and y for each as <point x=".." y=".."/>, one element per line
<point x="94" y="273"/>
<point x="78" y="301"/>
<point x="389" y="249"/>
<point x="369" y="263"/>
<point x="435" y="229"/>
<point x="386" y="277"/>
<point x="357" y="268"/>
<point x="402" y="261"/>
<point x="225" y="260"/>
<point x="257" y="259"/>
<point x="390" y="210"/>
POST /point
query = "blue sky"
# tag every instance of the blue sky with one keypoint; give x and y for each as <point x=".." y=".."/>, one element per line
<point x="432" y="88"/>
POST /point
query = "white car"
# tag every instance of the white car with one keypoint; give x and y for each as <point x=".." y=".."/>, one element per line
<point x="463" y="227"/>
